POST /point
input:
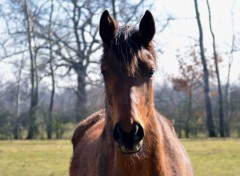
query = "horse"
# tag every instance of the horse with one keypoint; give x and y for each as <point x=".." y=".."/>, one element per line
<point x="128" y="137"/>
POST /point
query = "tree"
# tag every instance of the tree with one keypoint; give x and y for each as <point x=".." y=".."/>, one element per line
<point x="16" y="123"/>
<point x="19" y="17"/>
<point x="33" y="69"/>
<point x="121" y="14"/>
<point x="190" y="79"/>
<point x="208" y="106"/>
<point x="216" y="60"/>
<point x="51" y="57"/>
<point x="233" y="49"/>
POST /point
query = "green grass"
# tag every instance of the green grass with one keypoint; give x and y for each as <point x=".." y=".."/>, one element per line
<point x="214" y="157"/>
<point x="34" y="158"/>
<point x="210" y="157"/>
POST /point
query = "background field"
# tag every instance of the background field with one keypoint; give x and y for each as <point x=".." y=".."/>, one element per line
<point x="215" y="157"/>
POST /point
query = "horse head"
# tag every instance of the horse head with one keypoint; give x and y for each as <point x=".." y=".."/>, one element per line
<point x="127" y="65"/>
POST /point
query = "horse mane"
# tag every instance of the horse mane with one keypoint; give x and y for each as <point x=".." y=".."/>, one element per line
<point x="127" y="47"/>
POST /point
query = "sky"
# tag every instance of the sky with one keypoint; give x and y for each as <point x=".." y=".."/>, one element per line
<point x="183" y="32"/>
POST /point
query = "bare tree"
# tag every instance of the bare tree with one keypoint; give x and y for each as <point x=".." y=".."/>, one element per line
<point x="227" y="88"/>
<point x="208" y="106"/>
<point x="75" y="48"/>
<point x="33" y="70"/>
<point x="131" y="14"/>
<point x="51" y="57"/>
<point x="215" y="57"/>
<point x="20" y="17"/>
<point x="16" y="125"/>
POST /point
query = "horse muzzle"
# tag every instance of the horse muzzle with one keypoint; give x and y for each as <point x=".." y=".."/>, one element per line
<point x="129" y="143"/>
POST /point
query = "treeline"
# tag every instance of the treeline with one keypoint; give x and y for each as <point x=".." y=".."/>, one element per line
<point x="14" y="114"/>
<point x="187" y="113"/>
<point x="54" y="48"/>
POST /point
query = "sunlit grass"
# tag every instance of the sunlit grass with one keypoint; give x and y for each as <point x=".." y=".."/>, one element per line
<point x="210" y="157"/>
<point x="34" y="158"/>
<point x="214" y="157"/>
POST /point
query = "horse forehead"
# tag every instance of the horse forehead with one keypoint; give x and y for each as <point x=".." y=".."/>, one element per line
<point x="123" y="60"/>
<point x="127" y="45"/>
<point x="128" y="69"/>
<point x="126" y="37"/>
<point x="125" y="51"/>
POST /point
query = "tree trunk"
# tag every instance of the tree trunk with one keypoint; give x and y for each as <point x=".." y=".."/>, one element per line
<point x="227" y="97"/>
<point x="79" y="67"/>
<point x="81" y="92"/>
<point x="227" y="92"/>
<point x="50" y="109"/>
<point x="34" y="77"/>
<point x="187" y="128"/>
<point x="16" y="125"/>
<point x="208" y="106"/>
<point x="220" y="96"/>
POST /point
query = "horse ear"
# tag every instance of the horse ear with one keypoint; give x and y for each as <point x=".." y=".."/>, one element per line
<point x="107" y="27"/>
<point x="147" y="26"/>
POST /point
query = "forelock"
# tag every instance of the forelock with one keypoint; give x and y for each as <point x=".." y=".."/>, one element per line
<point x="125" y="49"/>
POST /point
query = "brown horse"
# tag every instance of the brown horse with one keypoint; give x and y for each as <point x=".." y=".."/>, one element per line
<point x="129" y="137"/>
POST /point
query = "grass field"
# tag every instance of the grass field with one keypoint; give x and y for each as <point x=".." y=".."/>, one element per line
<point x="34" y="158"/>
<point x="215" y="157"/>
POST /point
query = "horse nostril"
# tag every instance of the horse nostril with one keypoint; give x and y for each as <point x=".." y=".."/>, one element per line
<point x="135" y="130"/>
<point x="137" y="133"/>
<point x="134" y="137"/>
<point x="117" y="132"/>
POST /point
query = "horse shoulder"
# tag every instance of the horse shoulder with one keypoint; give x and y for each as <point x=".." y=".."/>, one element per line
<point x="85" y="155"/>
<point x="85" y="125"/>
<point x="166" y="123"/>
<point x="174" y="148"/>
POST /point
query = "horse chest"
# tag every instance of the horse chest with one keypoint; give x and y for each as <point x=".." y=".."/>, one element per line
<point x="131" y="168"/>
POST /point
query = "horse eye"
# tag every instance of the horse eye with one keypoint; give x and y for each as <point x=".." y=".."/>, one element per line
<point x="104" y="74"/>
<point x="150" y="73"/>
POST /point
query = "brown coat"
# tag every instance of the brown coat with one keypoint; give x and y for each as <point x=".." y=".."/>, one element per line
<point x="96" y="154"/>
